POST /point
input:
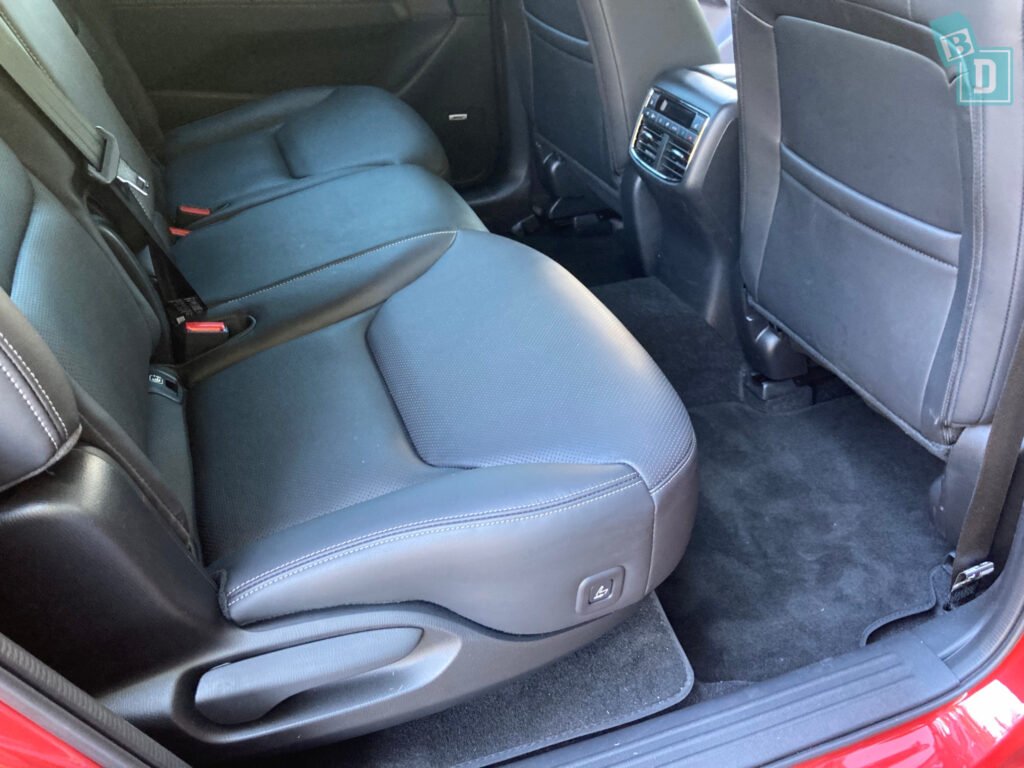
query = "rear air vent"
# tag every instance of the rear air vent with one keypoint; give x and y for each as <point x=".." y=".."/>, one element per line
<point x="648" y="144"/>
<point x="675" y="159"/>
<point x="666" y="136"/>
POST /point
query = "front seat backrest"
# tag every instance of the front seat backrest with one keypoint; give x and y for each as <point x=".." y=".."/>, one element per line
<point x="881" y="220"/>
<point x="593" y="63"/>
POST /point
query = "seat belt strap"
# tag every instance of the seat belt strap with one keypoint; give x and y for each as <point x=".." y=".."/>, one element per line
<point x="104" y="164"/>
<point x="97" y="146"/>
<point x="971" y="561"/>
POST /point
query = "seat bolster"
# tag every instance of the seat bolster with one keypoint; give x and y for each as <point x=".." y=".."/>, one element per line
<point x="38" y="417"/>
<point x="250" y="117"/>
<point x="504" y="546"/>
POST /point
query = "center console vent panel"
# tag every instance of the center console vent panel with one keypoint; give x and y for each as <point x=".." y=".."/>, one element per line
<point x="666" y="135"/>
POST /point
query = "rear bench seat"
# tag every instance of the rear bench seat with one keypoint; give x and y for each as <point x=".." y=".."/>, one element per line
<point x="300" y="135"/>
<point x="432" y="445"/>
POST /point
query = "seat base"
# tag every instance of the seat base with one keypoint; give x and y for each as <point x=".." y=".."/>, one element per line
<point x="453" y="661"/>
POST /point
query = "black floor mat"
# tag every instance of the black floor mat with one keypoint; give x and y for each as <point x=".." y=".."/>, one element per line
<point x="811" y="525"/>
<point x="635" y="670"/>
<point x="593" y="259"/>
<point x="701" y="366"/>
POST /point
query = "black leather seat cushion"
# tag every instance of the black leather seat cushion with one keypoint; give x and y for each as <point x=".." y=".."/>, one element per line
<point x="295" y="135"/>
<point x="317" y="226"/>
<point x="445" y="446"/>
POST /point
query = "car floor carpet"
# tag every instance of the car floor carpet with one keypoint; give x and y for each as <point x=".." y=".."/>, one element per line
<point x="812" y="524"/>
<point x="701" y="366"/>
<point x="634" y="671"/>
<point x="594" y="259"/>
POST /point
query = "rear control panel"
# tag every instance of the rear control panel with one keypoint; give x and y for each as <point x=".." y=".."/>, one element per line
<point x="667" y="133"/>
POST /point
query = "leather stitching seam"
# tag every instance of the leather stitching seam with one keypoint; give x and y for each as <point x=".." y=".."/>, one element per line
<point x="447" y="529"/>
<point x="394" y="529"/>
<point x="336" y="263"/>
<point x="130" y="468"/>
<point x="4" y="340"/>
<point x="31" y="407"/>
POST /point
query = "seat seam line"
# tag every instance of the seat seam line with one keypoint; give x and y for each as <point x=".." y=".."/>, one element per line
<point x="446" y="529"/>
<point x="394" y="529"/>
<point x="333" y="264"/>
<point x="867" y="226"/>
<point x="46" y="430"/>
<point x="108" y="446"/>
<point x="683" y="462"/>
<point x="4" y="340"/>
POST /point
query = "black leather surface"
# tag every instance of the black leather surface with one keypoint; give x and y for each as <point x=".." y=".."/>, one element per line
<point x="412" y="411"/>
<point x="37" y="408"/>
<point x="295" y="135"/>
<point x="293" y="234"/>
<point x="510" y="410"/>
<point x="869" y="225"/>
<point x="593" y="64"/>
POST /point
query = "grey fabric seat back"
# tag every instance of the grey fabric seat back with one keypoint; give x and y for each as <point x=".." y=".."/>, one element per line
<point x="593" y="62"/>
<point x="881" y="219"/>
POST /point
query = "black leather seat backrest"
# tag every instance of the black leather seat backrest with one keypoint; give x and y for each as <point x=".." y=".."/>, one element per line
<point x="881" y="218"/>
<point x="593" y="63"/>
<point x="566" y="101"/>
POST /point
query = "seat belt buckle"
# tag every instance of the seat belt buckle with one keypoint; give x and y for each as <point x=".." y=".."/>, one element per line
<point x="972" y="575"/>
<point x="203" y="335"/>
<point x="184" y="310"/>
<point x="178" y="232"/>
<point x="187" y="215"/>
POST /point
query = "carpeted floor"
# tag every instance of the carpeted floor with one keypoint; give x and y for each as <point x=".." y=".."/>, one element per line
<point x="702" y="367"/>
<point x="811" y="525"/>
<point x="634" y="671"/>
<point x="593" y="259"/>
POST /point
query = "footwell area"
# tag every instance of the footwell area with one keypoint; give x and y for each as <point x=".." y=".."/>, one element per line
<point x="812" y="524"/>
<point x="634" y="671"/>
<point x="702" y="367"/>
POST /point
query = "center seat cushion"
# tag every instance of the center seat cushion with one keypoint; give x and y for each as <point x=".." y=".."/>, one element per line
<point x="484" y="440"/>
<point x="294" y="135"/>
<point x="318" y="226"/>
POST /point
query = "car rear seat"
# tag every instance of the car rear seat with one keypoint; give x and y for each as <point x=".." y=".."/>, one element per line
<point x="407" y="436"/>
<point x="309" y="229"/>
<point x="297" y="135"/>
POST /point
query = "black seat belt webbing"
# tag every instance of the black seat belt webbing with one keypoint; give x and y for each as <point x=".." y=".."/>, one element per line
<point x="117" y="182"/>
<point x="971" y="561"/>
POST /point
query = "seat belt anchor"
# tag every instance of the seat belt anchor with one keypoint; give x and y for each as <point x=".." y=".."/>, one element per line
<point x="972" y="574"/>
<point x="112" y="168"/>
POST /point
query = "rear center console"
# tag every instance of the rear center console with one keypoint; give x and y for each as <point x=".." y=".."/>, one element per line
<point x="681" y="198"/>
<point x="666" y="135"/>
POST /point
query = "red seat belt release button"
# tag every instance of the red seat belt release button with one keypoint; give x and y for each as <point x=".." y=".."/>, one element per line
<point x="179" y="231"/>
<point x="205" y="326"/>
<point x="188" y="215"/>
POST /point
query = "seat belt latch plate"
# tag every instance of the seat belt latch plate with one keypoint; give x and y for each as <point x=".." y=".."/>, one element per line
<point x="112" y="168"/>
<point x="107" y="170"/>
<point x="973" y="574"/>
